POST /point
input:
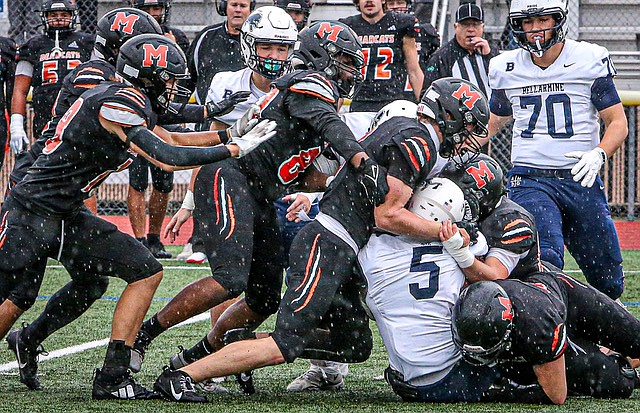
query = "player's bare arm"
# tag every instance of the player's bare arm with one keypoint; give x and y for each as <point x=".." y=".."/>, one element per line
<point x="616" y="128"/>
<point x="416" y="77"/>
<point x="553" y="379"/>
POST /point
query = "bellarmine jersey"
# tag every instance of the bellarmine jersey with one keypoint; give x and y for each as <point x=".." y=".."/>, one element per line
<point x="555" y="109"/>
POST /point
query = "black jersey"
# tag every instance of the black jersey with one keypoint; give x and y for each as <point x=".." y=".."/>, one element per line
<point x="50" y="67"/>
<point x="539" y="332"/>
<point x="7" y="70"/>
<point x="213" y="50"/>
<point x="72" y="165"/>
<point x="511" y="227"/>
<point x="385" y="72"/>
<point x="406" y="148"/>
<point x="304" y="105"/>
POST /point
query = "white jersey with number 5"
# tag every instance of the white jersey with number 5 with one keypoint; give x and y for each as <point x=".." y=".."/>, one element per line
<point x="412" y="289"/>
<point x="553" y="108"/>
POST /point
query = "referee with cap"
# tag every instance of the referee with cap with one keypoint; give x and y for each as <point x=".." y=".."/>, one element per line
<point x="465" y="56"/>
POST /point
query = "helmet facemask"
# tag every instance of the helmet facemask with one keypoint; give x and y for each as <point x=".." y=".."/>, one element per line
<point x="267" y="66"/>
<point x="538" y="48"/>
<point x="160" y="95"/>
<point x="348" y="76"/>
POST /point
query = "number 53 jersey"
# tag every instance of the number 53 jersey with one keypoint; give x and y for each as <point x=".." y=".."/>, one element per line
<point x="555" y="109"/>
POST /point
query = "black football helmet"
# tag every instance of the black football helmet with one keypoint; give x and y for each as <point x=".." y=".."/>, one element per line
<point x="481" y="180"/>
<point x="49" y="6"/>
<point x="303" y="6"/>
<point x="120" y="25"/>
<point x="481" y="323"/>
<point x="461" y="112"/>
<point x="320" y="47"/>
<point x="144" y="4"/>
<point x="523" y="9"/>
<point x="149" y="61"/>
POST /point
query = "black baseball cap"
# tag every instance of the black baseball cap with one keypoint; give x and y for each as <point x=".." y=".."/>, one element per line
<point x="469" y="11"/>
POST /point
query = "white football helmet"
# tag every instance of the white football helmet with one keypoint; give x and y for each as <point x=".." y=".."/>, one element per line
<point x="522" y="9"/>
<point x="439" y="200"/>
<point x="272" y="25"/>
<point x="399" y="107"/>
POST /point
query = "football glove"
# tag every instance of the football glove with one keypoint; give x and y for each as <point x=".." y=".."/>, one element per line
<point x="226" y="105"/>
<point x="19" y="139"/>
<point x="248" y="142"/>
<point x="247" y="122"/>
<point x="408" y="392"/>
<point x="373" y="179"/>
<point x="588" y="166"/>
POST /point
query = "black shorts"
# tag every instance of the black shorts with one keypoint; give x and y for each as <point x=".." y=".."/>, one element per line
<point x="322" y="293"/>
<point x="240" y="236"/>
<point x="86" y="245"/>
<point x="139" y="176"/>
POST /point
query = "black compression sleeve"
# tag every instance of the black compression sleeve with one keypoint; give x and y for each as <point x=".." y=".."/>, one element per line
<point x="186" y="114"/>
<point x="174" y="155"/>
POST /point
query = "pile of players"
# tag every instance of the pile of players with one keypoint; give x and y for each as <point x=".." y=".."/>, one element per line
<point x="417" y="226"/>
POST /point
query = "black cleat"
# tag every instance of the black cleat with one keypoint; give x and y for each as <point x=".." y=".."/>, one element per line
<point x="126" y="388"/>
<point x="245" y="381"/>
<point x="177" y="386"/>
<point x="140" y="346"/>
<point x="157" y="248"/>
<point x="27" y="359"/>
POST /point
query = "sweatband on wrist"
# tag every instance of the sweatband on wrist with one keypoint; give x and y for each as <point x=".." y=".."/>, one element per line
<point x="223" y="135"/>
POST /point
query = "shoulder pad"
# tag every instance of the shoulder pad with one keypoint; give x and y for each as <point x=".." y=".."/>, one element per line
<point x="509" y="230"/>
<point x="310" y="83"/>
<point x="128" y="107"/>
<point x="91" y="75"/>
<point x="417" y="147"/>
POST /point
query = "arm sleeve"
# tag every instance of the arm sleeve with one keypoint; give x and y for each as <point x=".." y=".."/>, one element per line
<point x="324" y="119"/>
<point x="187" y="113"/>
<point x="155" y="147"/>
<point x="499" y="103"/>
<point x="604" y="93"/>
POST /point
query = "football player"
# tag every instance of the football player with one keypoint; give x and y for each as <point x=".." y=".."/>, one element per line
<point x="299" y="10"/>
<point x="544" y="332"/>
<point x="43" y="216"/>
<point x="320" y="315"/>
<point x="390" y="53"/>
<point x="42" y="63"/>
<point x="161" y="11"/>
<point x="240" y="211"/>
<point x="7" y="70"/>
<point x="556" y="90"/>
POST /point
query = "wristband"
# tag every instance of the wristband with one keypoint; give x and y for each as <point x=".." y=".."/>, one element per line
<point x="462" y="255"/>
<point x="223" y="135"/>
<point x="188" y="203"/>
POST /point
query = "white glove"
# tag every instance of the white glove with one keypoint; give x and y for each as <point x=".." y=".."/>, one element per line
<point x="588" y="166"/>
<point x="258" y="134"/>
<point x="462" y="255"/>
<point x="247" y="122"/>
<point x="19" y="139"/>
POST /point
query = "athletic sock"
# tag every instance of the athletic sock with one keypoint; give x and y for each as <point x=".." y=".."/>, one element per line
<point x="152" y="327"/>
<point x="201" y="349"/>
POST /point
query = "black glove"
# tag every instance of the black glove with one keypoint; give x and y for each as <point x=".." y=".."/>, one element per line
<point x="471" y="227"/>
<point x="373" y="178"/>
<point x="226" y="105"/>
<point x="400" y="387"/>
<point x="507" y="391"/>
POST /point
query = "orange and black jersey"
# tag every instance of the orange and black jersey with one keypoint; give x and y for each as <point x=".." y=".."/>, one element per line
<point x="82" y="154"/>
<point x="403" y="146"/>
<point x="50" y="67"/>
<point x="539" y="333"/>
<point x="304" y="105"/>
<point x="385" y="72"/>
<point x="7" y="70"/>
<point x="511" y="227"/>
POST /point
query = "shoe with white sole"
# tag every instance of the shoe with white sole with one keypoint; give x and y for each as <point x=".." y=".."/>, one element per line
<point x="315" y="379"/>
<point x="187" y="251"/>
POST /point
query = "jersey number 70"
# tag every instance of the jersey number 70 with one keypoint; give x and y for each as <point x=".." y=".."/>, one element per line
<point x="551" y="103"/>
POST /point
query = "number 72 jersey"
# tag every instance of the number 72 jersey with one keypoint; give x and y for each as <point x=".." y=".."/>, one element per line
<point x="555" y="109"/>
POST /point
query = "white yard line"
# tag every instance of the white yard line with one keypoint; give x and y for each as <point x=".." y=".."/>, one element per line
<point x="185" y="267"/>
<point x="92" y="344"/>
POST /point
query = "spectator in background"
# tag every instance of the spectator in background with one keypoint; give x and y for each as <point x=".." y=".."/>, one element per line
<point x="24" y="20"/>
<point x="7" y="70"/>
<point x="467" y="55"/>
<point x="390" y="54"/>
<point x="299" y="10"/>
<point x="161" y="11"/>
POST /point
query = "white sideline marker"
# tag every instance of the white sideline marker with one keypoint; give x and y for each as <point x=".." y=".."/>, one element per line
<point x="92" y="344"/>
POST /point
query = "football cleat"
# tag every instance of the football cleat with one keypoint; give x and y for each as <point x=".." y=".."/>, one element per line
<point x="187" y="251"/>
<point x="177" y="361"/>
<point x="140" y="346"/>
<point x="27" y="359"/>
<point x="126" y="388"/>
<point x="245" y="381"/>
<point x="316" y="379"/>
<point x="177" y="386"/>
<point x="211" y="386"/>
<point x="197" y="258"/>
<point x="157" y="249"/>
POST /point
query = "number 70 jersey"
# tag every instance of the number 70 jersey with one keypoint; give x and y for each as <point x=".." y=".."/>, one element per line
<point x="555" y="109"/>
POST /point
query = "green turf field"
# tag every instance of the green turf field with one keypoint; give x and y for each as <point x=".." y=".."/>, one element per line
<point x="67" y="379"/>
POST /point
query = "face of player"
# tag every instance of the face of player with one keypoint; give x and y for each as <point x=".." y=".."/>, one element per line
<point x="297" y="16"/>
<point x="399" y="6"/>
<point x="468" y="31"/>
<point x="272" y="51"/>
<point x="371" y="8"/>
<point x="237" y="12"/>
<point x="59" y="19"/>
<point x="157" y="12"/>
<point x="170" y="86"/>
<point x="538" y="27"/>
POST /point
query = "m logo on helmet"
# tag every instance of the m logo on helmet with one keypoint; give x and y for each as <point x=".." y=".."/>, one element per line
<point x="468" y="96"/>
<point x="124" y="22"/>
<point x="330" y="30"/>
<point x="155" y="55"/>
<point x="481" y="174"/>
<point x="507" y="314"/>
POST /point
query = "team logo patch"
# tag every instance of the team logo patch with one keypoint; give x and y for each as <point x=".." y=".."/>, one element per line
<point x="507" y="314"/>
<point x="329" y="31"/>
<point x="155" y="55"/>
<point x="466" y="95"/>
<point x="515" y="181"/>
<point x="124" y="22"/>
<point x="482" y="174"/>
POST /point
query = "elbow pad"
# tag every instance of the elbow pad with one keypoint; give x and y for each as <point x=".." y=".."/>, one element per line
<point x="171" y="155"/>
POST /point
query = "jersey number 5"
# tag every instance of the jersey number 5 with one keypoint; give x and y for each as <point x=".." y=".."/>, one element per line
<point x="431" y="267"/>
